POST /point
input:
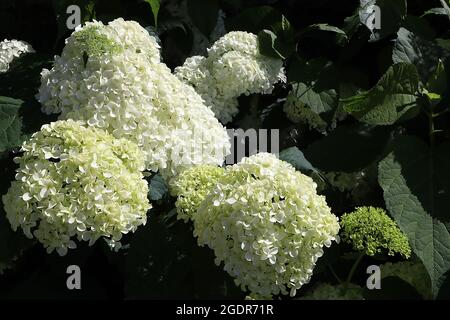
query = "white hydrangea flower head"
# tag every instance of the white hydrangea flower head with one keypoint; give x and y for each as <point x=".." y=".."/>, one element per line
<point x="298" y="112"/>
<point x="232" y="68"/>
<point x="266" y="223"/>
<point x="192" y="186"/>
<point x="11" y="49"/>
<point x="77" y="182"/>
<point x="111" y="77"/>
<point x="325" y="291"/>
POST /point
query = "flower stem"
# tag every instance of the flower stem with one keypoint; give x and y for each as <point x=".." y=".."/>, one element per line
<point x="353" y="269"/>
<point x="334" y="274"/>
<point x="431" y="128"/>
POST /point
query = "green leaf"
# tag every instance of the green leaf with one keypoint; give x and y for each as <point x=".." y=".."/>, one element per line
<point x="166" y="263"/>
<point x="317" y="85"/>
<point x="392" y="13"/>
<point x="22" y="78"/>
<point x="446" y="8"/>
<point x="295" y="157"/>
<point x="392" y="288"/>
<point x="348" y="148"/>
<point x="437" y="11"/>
<point x="391" y="98"/>
<point x="437" y="84"/>
<point x="419" y="26"/>
<point x="154" y="5"/>
<point x="10" y="123"/>
<point x="285" y="24"/>
<point x="158" y="187"/>
<point x="341" y="35"/>
<point x="268" y="44"/>
<point x="415" y="180"/>
<point x="425" y="55"/>
<point x="319" y="100"/>
<point x="204" y="14"/>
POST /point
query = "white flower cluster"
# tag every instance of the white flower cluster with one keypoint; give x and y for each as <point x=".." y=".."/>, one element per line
<point x="266" y="223"/>
<point x="298" y="112"/>
<point x="111" y="77"/>
<point x="232" y="68"/>
<point x="78" y="182"/>
<point x="11" y="49"/>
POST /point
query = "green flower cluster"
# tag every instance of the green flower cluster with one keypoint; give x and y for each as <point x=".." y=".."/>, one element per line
<point x="325" y="291"/>
<point x="92" y="41"/>
<point x="77" y="182"/>
<point x="192" y="186"/>
<point x="372" y="231"/>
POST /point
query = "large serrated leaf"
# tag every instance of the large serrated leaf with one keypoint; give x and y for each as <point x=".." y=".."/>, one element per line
<point x="410" y="48"/>
<point x="164" y="262"/>
<point x="391" y="98"/>
<point x="10" y="123"/>
<point x="318" y="99"/>
<point x="154" y="5"/>
<point x="415" y="180"/>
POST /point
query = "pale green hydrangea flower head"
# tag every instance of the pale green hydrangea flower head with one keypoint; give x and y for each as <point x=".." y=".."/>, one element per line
<point x="372" y="231"/>
<point x="232" y="68"/>
<point x="325" y="291"/>
<point x="79" y="183"/>
<point x="412" y="272"/>
<point x="298" y="112"/>
<point x="111" y="77"/>
<point x="266" y="223"/>
<point x="10" y="50"/>
<point x="192" y="186"/>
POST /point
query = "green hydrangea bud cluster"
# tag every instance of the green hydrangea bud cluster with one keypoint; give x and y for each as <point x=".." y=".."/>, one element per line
<point x="372" y="231"/>
<point x="192" y="186"/>
<point x="412" y="272"/>
<point x="325" y="291"/>
<point x="77" y="182"/>
<point x="95" y="43"/>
